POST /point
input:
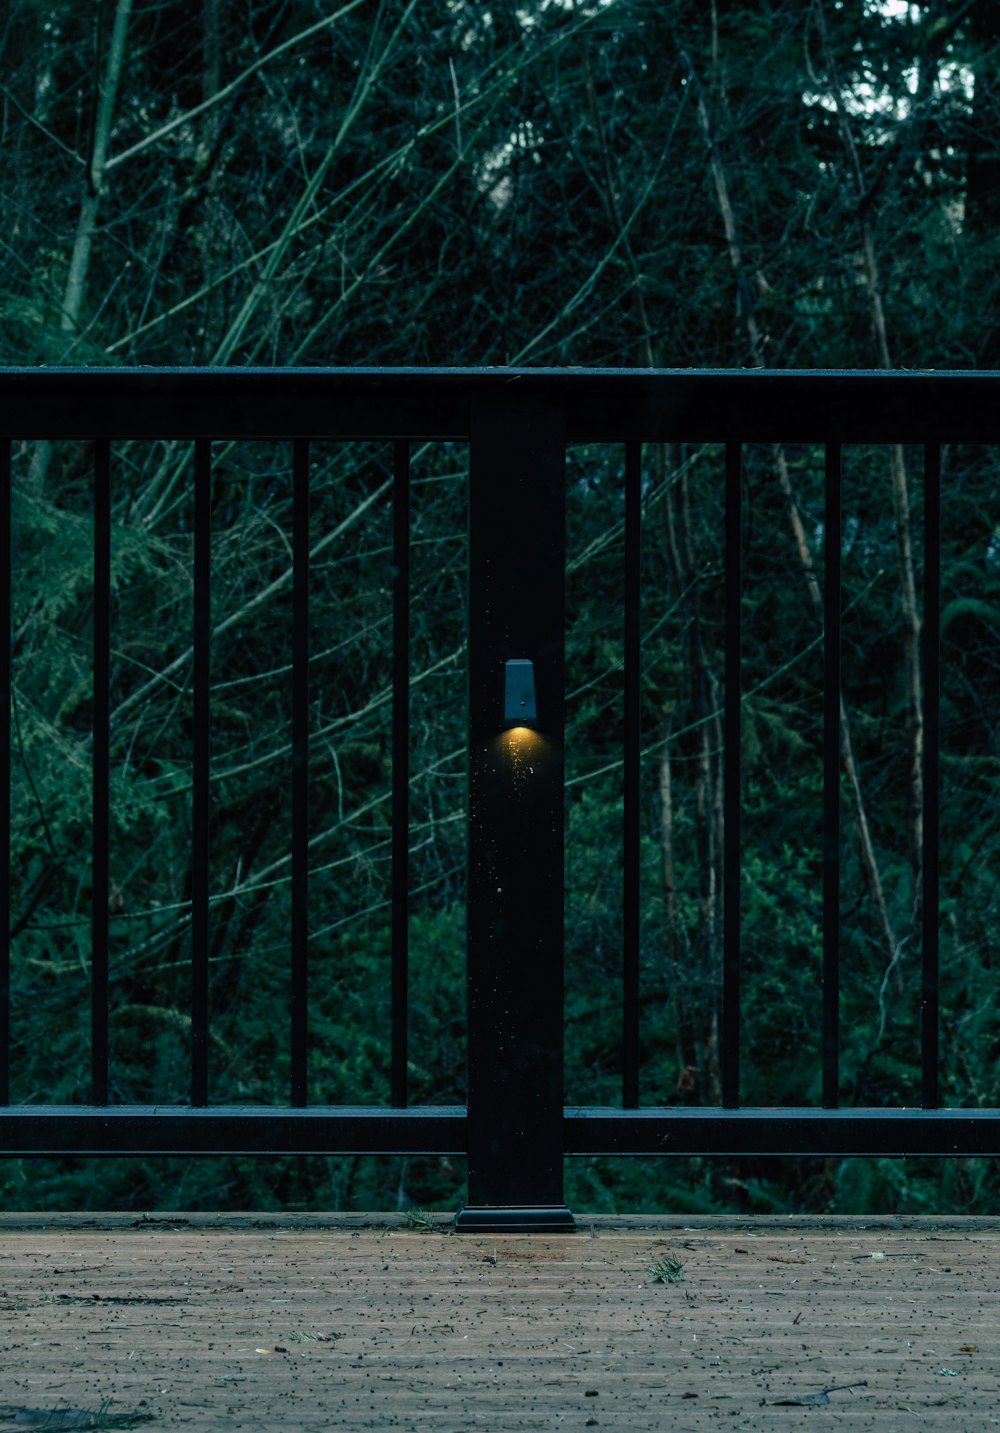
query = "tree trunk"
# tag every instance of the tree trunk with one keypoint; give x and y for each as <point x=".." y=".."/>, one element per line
<point x="982" y="181"/>
<point x="108" y="79"/>
<point x="108" y="72"/>
<point x="697" y="1024"/>
<point x="869" y="860"/>
<point x="900" y="491"/>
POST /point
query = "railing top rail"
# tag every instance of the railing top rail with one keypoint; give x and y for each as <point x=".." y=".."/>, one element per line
<point x="599" y="405"/>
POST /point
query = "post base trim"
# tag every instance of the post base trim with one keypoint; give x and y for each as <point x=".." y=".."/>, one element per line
<point x="514" y="1219"/>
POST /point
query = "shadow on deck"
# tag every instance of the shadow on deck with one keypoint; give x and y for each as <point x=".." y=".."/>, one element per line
<point x="315" y="1322"/>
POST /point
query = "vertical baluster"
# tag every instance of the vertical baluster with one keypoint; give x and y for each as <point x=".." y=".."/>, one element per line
<point x="101" y="771"/>
<point x="932" y="746"/>
<point x="201" y="755"/>
<point x="300" y="771"/>
<point x="630" y="932"/>
<point x="400" y="767"/>
<point x="831" y="776"/>
<point x="6" y="697"/>
<point x="732" y="793"/>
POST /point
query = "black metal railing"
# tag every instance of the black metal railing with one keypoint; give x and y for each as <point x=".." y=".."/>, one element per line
<point x="515" y="1128"/>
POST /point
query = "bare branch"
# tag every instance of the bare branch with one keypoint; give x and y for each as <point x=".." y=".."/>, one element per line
<point x="233" y="85"/>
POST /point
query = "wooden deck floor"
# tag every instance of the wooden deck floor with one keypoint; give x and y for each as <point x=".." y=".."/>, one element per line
<point x="206" y="1323"/>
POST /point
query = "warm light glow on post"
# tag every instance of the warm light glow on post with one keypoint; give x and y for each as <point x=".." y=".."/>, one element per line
<point x="521" y="741"/>
<point x="520" y="747"/>
<point x="519" y="708"/>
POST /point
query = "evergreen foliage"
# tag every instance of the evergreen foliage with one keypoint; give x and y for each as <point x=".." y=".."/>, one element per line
<point x="587" y="182"/>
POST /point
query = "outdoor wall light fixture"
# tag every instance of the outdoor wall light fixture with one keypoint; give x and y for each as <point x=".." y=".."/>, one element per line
<point x="519" y="707"/>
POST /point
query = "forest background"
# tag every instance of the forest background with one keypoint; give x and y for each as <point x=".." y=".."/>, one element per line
<point x="666" y="183"/>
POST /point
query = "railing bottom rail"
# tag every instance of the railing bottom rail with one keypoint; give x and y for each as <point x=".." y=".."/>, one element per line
<point x="32" y="1130"/>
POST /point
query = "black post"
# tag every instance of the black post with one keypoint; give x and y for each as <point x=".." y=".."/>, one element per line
<point x="517" y="545"/>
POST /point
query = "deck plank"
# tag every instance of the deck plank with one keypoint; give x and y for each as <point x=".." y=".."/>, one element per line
<point x="422" y="1331"/>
